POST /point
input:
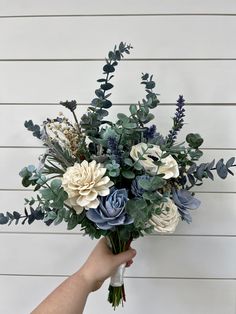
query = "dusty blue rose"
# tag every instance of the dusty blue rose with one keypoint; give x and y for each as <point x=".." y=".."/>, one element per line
<point x="111" y="210"/>
<point x="136" y="189"/>
<point x="184" y="200"/>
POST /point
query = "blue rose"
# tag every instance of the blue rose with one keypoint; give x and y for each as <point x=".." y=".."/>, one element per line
<point x="111" y="210"/>
<point x="136" y="189"/>
<point x="184" y="200"/>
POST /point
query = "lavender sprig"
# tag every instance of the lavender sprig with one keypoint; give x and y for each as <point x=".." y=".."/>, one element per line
<point x="178" y="121"/>
<point x="150" y="132"/>
<point x="112" y="145"/>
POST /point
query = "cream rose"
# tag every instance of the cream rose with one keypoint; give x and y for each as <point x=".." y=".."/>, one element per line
<point x="84" y="183"/>
<point x="169" y="168"/>
<point x="169" y="218"/>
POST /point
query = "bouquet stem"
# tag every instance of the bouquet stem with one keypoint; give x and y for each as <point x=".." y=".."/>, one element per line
<point x="116" y="288"/>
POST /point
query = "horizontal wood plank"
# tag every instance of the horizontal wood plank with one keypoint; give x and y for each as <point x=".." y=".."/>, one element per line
<point x="38" y="82"/>
<point x="194" y="257"/>
<point x="216" y="297"/>
<point x="10" y="166"/>
<point x="26" y="7"/>
<point x="23" y="38"/>
<point x="215" y="216"/>
<point x="199" y="119"/>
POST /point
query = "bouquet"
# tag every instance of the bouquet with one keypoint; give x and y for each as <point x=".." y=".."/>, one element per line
<point x="120" y="180"/>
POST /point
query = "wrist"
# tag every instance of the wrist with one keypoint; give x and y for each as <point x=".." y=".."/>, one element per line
<point x="88" y="282"/>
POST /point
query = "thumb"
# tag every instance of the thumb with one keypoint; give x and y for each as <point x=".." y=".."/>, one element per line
<point x="124" y="257"/>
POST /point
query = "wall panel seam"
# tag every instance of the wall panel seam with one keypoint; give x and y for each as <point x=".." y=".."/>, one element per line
<point x="112" y="15"/>
<point x="102" y="59"/>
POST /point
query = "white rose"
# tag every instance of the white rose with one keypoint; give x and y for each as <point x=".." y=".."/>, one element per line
<point x="169" y="218"/>
<point x="169" y="168"/>
<point x="84" y="183"/>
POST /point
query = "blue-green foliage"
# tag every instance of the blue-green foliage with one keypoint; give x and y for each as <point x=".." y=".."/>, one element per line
<point x="34" y="128"/>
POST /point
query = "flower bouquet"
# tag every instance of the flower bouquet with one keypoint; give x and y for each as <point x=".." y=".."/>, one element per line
<point x="120" y="179"/>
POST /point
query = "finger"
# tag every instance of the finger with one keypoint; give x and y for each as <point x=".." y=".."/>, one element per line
<point x="124" y="257"/>
<point x="129" y="263"/>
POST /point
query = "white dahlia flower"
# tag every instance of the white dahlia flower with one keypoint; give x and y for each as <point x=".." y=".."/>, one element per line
<point x="84" y="182"/>
<point x="168" y="220"/>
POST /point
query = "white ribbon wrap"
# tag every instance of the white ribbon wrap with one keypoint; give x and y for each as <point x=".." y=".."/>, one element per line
<point x="117" y="279"/>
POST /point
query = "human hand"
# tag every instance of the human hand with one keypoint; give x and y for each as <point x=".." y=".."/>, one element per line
<point x="102" y="263"/>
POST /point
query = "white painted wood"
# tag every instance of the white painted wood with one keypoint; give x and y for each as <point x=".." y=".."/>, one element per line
<point x="56" y="81"/>
<point x="62" y="37"/>
<point x="143" y="295"/>
<point x="10" y="166"/>
<point x="34" y="250"/>
<point x="28" y="7"/>
<point x="185" y="257"/>
<point x="215" y="216"/>
<point x="199" y="119"/>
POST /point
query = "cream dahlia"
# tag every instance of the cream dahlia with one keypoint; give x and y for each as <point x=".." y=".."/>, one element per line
<point x="84" y="183"/>
<point x="168" y="220"/>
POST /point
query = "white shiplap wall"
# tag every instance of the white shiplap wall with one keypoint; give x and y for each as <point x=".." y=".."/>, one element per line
<point x="52" y="51"/>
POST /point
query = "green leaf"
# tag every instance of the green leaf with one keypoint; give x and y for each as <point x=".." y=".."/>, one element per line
<point x="124" y="234"/>
<point x="51" y="215"/>
<point x="196" y="154"/>
<point x="60" y="216"/>
<point x="138" y="212"/>
<point x="114" y="173"/>
<point x="140" y="204"/>
<point x="33" y="128"/>
<point x="230" y="162"/>
<point x="152" y="185"/>
<point x="111" y="55"/>
<point x="102" y="113"/>
<point x="106" y="86"/>
<point x="150" y="85"/>
<point x="123" y="117"/>
<point x="128" y="174"/>
<point x="138" y="166"/>
<point x="194" y="140"/>
<point x="157" y="182"/>
<point x="145" y="184"/>
<point x="145" y="76"/>
<point x="133" y="109"/>
<point x="67" y="216"/>
<point x="128" y="161"/>
<point x="150" y="196"/>
<point x="149" y="117"/>
<point x="221" y="169"/>
<point x="129" y="125"/>
<point x="106" y="103"/>
<point x="47" y="194"/>
<point x="108" y="68"/>
<point x="56" y="184"/>
<point x="59" y="198"/>
<point x="72" y="222"/>
<point x="3" y="219"/>
<point x="99" y="93"/>
<point x="16" y="215"/>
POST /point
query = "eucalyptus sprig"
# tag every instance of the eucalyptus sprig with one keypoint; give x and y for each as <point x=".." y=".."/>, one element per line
<point x="91" y="121"/>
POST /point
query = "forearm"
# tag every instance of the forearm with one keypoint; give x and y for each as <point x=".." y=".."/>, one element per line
<point x="69" y="298"/>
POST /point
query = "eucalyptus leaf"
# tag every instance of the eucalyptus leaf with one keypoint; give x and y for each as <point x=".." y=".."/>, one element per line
<point x="133" y="109"/>
<point x="128" y="174"/>
<point x="230" y="162"/>
<point x="56" y="184"/>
